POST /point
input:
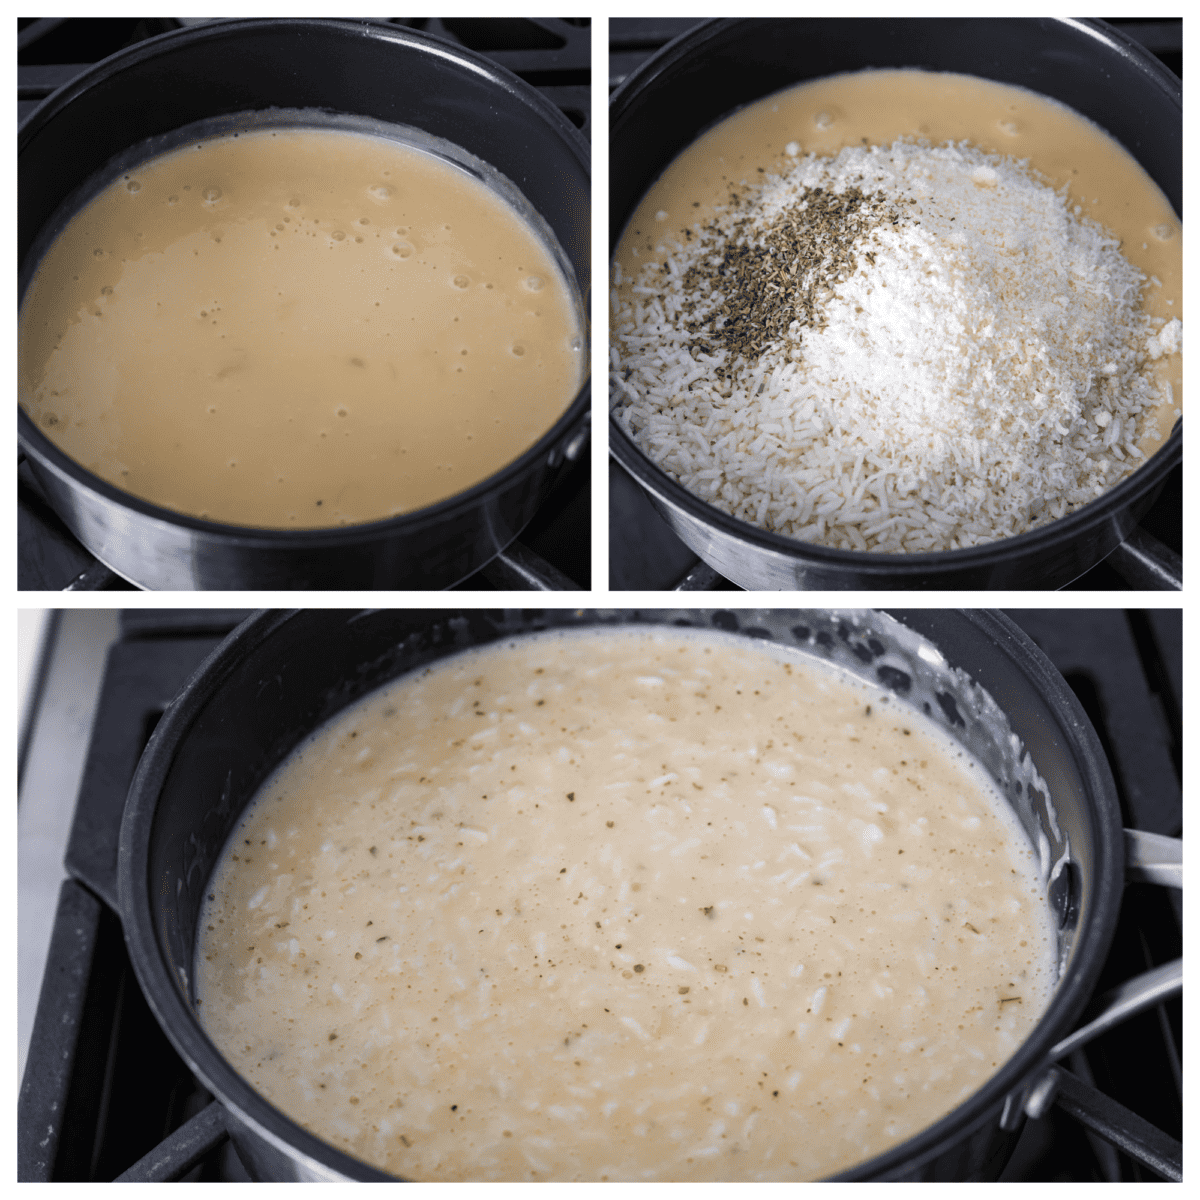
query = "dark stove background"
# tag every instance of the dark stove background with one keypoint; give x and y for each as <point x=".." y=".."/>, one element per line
<point x="645" y="553"/>
<point x="552" y="54"/>
<point x="103" y="1086"/>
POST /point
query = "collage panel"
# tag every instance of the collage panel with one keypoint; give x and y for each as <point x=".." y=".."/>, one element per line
<point x="603" y="893"/>
<point x="304" y="304"/>
<point x="896" y="303"/>
<point x="475" y="891"/>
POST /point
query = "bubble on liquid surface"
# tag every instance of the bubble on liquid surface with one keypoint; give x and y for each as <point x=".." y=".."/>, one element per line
<point x="533" y="283"/>
<point x="1009" y="127"/>
<point x="172" y="199"/>
<point x="98" y="252"/>
<point x="519" y="350"/>
<point x="402" y="250"/>
<point x="338" y="235"/>
<point x="1164" y="233"/>
<point x="133" y="186"/>
<point x="461" y="282"/>
<point x="212" y="195"/>
<point x="380" y="193"/>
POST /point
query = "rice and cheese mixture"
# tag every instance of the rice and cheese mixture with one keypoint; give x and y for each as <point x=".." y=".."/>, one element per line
<point x="899" y="348"/>
<point x="617" y="905"/>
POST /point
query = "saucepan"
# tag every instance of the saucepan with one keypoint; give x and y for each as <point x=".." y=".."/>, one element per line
<point x="721" y="65"/>
<point x="281" y="674"/>
<point x="366" y="70"/>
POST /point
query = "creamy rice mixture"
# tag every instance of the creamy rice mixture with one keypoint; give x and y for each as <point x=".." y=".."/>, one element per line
<point x="624" y="906"/>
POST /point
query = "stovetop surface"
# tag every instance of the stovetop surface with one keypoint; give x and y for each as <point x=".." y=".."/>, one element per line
<point x="552" y="54"/>
<point x="103" y="1084"/>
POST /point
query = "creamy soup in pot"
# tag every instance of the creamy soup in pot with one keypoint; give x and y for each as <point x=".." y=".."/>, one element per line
<point x="621" y="905"/>
<point x="899" y="310"/>
<point x="299" y="327"/>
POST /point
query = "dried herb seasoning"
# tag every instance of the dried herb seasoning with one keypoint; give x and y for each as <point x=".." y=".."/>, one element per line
<point x="771" y="279"/>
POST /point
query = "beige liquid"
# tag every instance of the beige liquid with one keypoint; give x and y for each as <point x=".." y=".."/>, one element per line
<point x="881" y="107"/>
<point x="620" y="905"/>
<point x="293" y="328"/>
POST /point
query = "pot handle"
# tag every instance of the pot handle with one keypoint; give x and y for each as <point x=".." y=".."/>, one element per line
<point x="1034" y="1098"/>
<point x="1124" y="1001"/>
<point x="519" y="569"/>
<point x="1149" y="858"/>
<point x="1152" y="858"/>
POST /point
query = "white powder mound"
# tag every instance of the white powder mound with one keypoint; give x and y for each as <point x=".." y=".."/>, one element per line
<point x="982" y="370"/>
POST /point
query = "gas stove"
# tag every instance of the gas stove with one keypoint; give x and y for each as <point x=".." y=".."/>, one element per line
<point x="552" y="54"/>
<point x="645" y="554"/>
<point x="104" y="1095"/>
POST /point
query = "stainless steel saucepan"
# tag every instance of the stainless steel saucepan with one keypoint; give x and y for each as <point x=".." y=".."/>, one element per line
<point x="366" y="70"/>
<point x="281" y="674"/>
<point x="721" y="65"/>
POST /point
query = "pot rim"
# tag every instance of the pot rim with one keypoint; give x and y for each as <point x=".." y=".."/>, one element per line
<point x="654" y="479"/>
<point x="571" y="423"/>
<point x="159" y="987"/>
<point x="1089" y="952"/>
<point x="1108" y="35"/>
<point x="1116" y="499"/>
<point x="180" y="1023"/>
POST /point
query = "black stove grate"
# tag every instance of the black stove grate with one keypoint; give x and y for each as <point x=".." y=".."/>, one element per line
<point x="644" y="552"/>
<point x="552" y="54"/>
<point x="103" y="1087"/>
